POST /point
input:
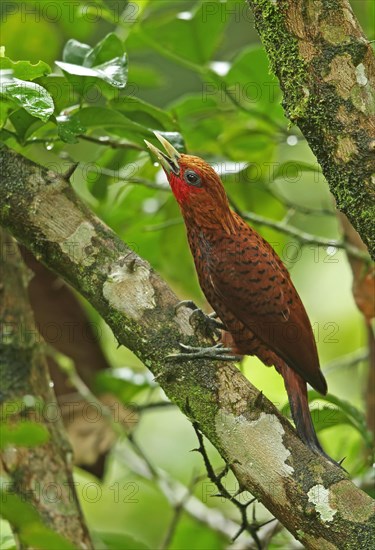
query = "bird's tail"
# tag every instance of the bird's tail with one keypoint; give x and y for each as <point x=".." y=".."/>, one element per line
<point x="296" y="388"/>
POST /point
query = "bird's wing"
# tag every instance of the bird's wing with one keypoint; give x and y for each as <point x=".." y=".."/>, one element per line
<point x="251" y="281"/>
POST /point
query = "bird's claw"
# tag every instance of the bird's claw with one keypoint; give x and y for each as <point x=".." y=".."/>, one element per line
<point x="217" y="352"/>
<point x="185" y="303"/>
<point x="207" y="324"/>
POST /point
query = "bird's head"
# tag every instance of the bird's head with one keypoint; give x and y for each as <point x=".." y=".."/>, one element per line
<point x="195" y="184"/>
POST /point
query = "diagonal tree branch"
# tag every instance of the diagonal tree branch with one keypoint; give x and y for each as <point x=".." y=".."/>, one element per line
<point x="311" y="497"/>
<point x="326" y="69"/>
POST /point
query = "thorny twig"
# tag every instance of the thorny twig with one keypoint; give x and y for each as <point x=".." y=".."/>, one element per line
<point x="253" y="527"/>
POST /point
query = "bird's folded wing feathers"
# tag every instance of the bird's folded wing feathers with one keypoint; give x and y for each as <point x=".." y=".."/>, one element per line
<point x="255" y="286"/>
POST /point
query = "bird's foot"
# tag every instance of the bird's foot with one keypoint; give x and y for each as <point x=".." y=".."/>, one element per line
<point x="217" y="352"/>
<point x="206" y="324"/>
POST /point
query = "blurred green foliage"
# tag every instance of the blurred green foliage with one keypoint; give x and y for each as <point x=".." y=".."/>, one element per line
<point x="88" y="82"/>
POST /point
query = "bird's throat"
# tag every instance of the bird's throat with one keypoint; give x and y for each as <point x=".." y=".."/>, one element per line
<point x="209" y="219"/>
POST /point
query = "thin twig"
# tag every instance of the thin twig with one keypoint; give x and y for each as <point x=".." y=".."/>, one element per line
<point x="251" y="528"/>
<point x="347" y="361"/>
<point x="105" y="140"/>
<point x="178" y="509"/>
<point x="301" y="236"/>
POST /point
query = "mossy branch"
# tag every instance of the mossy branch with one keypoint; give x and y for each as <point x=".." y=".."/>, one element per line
<point x="326" y="69"/>
<point x="310" y="496"/>
<point x="34" y="470"/>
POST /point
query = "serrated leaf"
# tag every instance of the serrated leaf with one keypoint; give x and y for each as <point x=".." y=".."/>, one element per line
<point x="24" y="69"/>
<point x="29" y="95"/>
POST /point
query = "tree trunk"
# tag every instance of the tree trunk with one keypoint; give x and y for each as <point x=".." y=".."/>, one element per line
<point x="326" y="69"/>
<point x="39" y="474"/>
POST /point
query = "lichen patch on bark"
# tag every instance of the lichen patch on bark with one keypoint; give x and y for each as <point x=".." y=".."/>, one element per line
<point x="129" y="289"/>
<point x="361" y="74"/>
<point x="78" y="246"/>
<point x="256" y="446"/>
<point x="342" y="75"/>
<point x="333" y="34"/>
<point x="318" y="495"/>
<point x="346" y="148"/>
<point x="182" y="319"/>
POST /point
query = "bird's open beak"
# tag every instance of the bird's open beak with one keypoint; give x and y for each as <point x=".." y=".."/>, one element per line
<point x="168" y="161"/>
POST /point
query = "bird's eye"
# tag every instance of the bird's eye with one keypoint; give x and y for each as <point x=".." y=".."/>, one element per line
<point x="192" y="178"/>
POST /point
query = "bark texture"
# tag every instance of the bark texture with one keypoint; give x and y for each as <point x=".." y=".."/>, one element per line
<point x="310" y="496"/>
<point x="326" y="69"/>
<point x="41" y="474"/>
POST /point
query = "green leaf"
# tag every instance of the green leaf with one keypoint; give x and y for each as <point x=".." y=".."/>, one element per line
<point x="113" y="72"/>
<point x="32" y="97"/>
<point x="26" y="522"/>
<point x="120" y="541"/>
<point x="251" y="83"/>
<point x="193" y="35"/>
<point x="5" y="135"/>
<point x="143" y="76"/>
<point x="107" y="62"/>
<point x="293" y="168"/>
<point x="354" y="416"/>
<point x="111" y="121"/>
<point x="69" y="128"/>
<point x="23" y="434"/>
<point x="107" y="49"/>
<point x="24" y="123"/>
<point x="342" y="412"/>
<point x="199" y="121"/>
<point x="62" y="92"/>
<point x="75" y="52"/>
<point x="143" y="113"/>
<point x="24" y="69"/>
<point x="123" y="382"/>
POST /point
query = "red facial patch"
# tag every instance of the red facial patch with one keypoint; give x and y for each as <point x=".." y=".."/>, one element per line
<point x="181" y="189"/>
